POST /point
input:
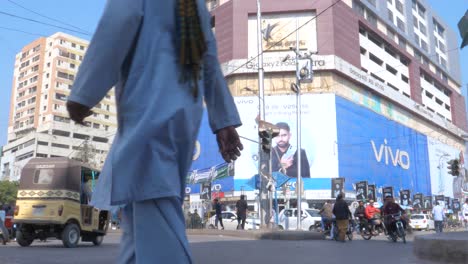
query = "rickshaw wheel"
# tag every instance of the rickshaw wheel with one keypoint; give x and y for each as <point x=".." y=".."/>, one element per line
<point x="21" y="240"/>
<point x="97" y="240"/>
<point x="71" y="235"/>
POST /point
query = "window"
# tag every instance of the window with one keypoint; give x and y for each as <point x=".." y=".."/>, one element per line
<point x="44" y="176"/>
<point x="61" y="97"/>
<point x="399" y="6"/>
<point x="416" y="38"/>
<point x="375" y="39"/>
<point x="46" y="86"/>
<point x="390" y="15"/>
<point x="43" y="143"/>
<point x="401" y="42"/>
<point x="372" y="19"/>
<point x="393" y="86"/>
<point x="39" y="155"/>
<point x="31" y="100"/>
<point x="100" y="139"/>
<point x="72" y="56"/>
<point x="61" y="133"/>
<point x="375" y="59"/>
<point x="438" y="28"/>
<point x="359" y="8"/>
<point x="442" y="47"/>
<point x="37" y="48"/>
<point x="61" y="119"/>
<point x="400" y="24"/>
<point x="106" y="116"/>
<point x="422" y="28"/>
<point x="377" y="77"/>
<point x="56" y="145"/>
<point x="404" y="78"/>
<point x="424" y="46"/>
<point x="415" y="22"/>
<point x="108" y="107"/>
<point x="35" y="68"/>
<point x="36" y="58"/>
<point x="391" y="34"/>
<point x="391" y="69"/>
<point x="443" y="62"/>
<point x="80" y="136"/>
<point x="72" y="65"/>
<point x="421" y="10"/>
<point x="428" y="94"/>
<point x="97" y="126"/>
<point x="81" y="48"/>
<point x="73" y="45"/>
<point x="390" y="1"/>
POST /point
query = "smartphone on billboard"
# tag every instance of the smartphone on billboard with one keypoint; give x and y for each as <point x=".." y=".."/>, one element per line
<point x="290" y="152"/>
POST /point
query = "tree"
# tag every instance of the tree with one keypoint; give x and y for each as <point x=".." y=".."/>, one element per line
<point x="8" y="191"/>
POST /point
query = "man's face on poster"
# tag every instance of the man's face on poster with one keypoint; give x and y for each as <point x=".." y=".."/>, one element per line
<point x="282" y="140"/>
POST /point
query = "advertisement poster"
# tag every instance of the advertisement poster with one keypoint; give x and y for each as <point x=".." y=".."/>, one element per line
<point x="387" y="192"/>
<point x="337" y="187"/>
<point x="427" y="202"/>
<point x="418" y="201"/>
<point x="405" y="196"/>
<point x="375" y="149"/>
<point x="361" y="190"/>
<point x="319" y="158"/>
<point x="447" y="203"/>
<point x="443" y="183"/>
<point x="456" y="205"/>
<point x="440" y="199"/>
<point x="371" y="192"/>
<point x="205" y="193"/>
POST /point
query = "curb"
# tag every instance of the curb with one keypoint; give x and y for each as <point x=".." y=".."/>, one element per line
<point x="443" y="247"/>
<point x="260" y="235"/>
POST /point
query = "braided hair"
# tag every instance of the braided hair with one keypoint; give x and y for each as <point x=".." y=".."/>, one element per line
<point x="192" y="44"/>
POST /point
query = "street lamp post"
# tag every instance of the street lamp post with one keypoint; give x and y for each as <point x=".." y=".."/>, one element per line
<point x="261" y="105"/>
<point x="298" y="129"/>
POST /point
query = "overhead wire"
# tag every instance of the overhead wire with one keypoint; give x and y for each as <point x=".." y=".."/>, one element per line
<point x="43" y="23"/>
<point x="47" y="17"/>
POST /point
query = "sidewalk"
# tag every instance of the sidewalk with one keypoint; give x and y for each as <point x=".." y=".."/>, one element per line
<point x="450" y="247"/>
<point x="259" y="234"/>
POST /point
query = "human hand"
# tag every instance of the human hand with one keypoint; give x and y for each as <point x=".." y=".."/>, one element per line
<point x="78" y="112"/>
<point x="287" y="162"/>
<point x="229" y="143"/>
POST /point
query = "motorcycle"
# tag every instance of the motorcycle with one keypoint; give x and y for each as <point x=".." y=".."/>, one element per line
<point x="366" y="230"/>
<point x="398" y="232"/>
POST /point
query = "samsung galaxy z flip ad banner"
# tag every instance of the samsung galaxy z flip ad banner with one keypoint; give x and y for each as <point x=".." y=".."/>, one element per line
<point x="380" y="151"/>
<point x="318" y="141"/>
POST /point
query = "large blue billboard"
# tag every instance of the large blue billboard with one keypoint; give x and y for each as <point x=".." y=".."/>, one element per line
<point x="381" y="151"/>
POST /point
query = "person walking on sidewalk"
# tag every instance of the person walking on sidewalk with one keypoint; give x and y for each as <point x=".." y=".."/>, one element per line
<point x="241" y="206"/>
<point x="465" y="213"/>
<point x="342" y="215"/>
<point x="5" y="233"/>
<point x="439" y="216"/>
<point x="161" y="57"/>
<point x="218" y="213"/>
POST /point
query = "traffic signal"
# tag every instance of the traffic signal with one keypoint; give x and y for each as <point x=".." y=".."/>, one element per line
<point x="454" y="167"/>
<point x="266" y="137"/>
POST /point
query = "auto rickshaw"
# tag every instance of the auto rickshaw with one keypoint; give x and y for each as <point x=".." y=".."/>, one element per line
<point x="53" y="201"/>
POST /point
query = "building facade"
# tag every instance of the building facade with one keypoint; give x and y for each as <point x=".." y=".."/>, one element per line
<point x="39" y="125"/>
<point x="385" y="105"/>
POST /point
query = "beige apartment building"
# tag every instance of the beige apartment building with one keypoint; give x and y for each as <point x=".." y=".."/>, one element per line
<point x="39" y="125"/>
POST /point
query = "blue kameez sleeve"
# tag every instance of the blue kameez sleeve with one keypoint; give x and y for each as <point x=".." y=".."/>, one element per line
<point x="222" y="110"/>
<point x="107" y="51"/>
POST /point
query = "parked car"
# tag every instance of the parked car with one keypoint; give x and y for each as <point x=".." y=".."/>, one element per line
<point x="230" y="221"/>
<point x="288" y="219"/>
<point x="421" y="221"/>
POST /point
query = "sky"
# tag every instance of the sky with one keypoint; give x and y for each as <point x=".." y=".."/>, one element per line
<point x="85" y="14"/>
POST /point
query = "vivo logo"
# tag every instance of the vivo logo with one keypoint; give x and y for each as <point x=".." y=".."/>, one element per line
<point x="216" y="187"/>
<point x="397" y="157"/>
<point x="244" y="101"/>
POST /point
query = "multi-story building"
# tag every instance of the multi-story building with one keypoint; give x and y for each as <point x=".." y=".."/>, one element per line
<point x="385" y="105"/>
<point x="39" y="125"/>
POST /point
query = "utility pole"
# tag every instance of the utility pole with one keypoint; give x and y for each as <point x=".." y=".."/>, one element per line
<point x="298" y="115"/>
<point x="261" y="107"/>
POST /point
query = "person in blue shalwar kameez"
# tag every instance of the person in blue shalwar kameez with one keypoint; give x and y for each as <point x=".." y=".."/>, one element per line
<point x="161" y="57"/>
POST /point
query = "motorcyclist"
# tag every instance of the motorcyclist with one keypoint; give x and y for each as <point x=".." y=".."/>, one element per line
<point x="327" y="214"/>
<point x="371" y="215"/>
<point x="392" y="208"/>
<point x="360" y="213"/>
